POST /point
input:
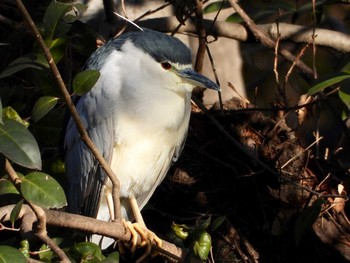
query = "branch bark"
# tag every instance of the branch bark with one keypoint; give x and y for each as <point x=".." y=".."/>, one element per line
<point x="295" y="33"/>
<point x="114" y="230"/>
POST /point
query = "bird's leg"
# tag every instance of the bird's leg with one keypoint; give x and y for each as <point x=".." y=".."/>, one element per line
<point x="139" y="227"/>
<point x="109" y="199"/>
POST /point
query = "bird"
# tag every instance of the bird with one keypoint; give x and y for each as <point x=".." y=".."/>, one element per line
<point x="137" y="115"/>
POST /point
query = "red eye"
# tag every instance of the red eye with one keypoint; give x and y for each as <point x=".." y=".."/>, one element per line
<point x="166" y="65"/>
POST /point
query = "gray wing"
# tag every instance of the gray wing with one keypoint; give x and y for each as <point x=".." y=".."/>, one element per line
<point x="85" y="177"/>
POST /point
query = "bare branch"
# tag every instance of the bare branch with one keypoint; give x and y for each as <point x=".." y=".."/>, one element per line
<point x="295" y="33"/>
<point x="114" y="230"/>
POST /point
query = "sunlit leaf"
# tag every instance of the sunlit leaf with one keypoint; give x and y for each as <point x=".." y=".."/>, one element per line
<point x="43" y="190"/>
<point x="10" y="114"/>
<point x="42" y="106"/>
<point x="10" y="255"/>
<point x="202" y="245"/>
<point x="25" y="248"/>
<point x="19" y="145"/>
<point x="15" y="212"/>
<point x="181" y="231"/>
<point x="84" y="81"/>
<point x="36" y="61"/>
<point x="320" y="86"/>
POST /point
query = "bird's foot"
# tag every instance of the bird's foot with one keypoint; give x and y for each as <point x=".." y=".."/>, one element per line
<point x="146" y="235"/>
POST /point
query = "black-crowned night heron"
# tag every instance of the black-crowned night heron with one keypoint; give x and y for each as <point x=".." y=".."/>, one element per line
<point x="137" y="114"/>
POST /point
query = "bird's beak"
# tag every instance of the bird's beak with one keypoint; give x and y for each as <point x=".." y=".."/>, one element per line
<point x="192" y="77"/>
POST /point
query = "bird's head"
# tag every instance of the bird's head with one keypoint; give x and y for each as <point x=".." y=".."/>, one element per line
<point x="154" y="57"/>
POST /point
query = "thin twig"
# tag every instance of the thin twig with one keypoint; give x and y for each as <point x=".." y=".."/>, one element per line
<point x="39" y="213"/>
<point x="83" y="133"/>
<point x="265" y="40"/>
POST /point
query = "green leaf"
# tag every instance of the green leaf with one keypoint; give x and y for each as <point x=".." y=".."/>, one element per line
<point x="7" y="187"/>
<point x="42" y="106"/>
<point x="306" y="219"/>
<point x="84" y="81"/>
<point x="9" y="255"/>
<point x="15" y="212"/>
<point x="216" y="6"/>
<point x="218" y="222"/>
<point x="86" y="250"/>
<point x="10" y="114"/>
<point x="234" y="18"/>
<point x="202" y="245"/>
<point x="112" y="258"/>
<point x="181" y="231"/>
<point x="346" y="68"/>
<point x="344" y="95"/>
<point x="19" y="145"/>
<point x="58" y="48"/>
<point x="36" y="61"/>
<point x="24" y="248"/>
<point x="324" y="84"/>
<point x="1" y="112"/>
<point x="45" y="252"/>
<point x="43" y="190"/>
<point x="54" y="12"/>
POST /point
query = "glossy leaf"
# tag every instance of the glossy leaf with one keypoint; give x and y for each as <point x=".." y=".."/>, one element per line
<point x="10" y="255"/>
<point x="42" y="106"/>
<point x="181" y="231"/>
<point x="202" y="245"/>
<point x="19" y="145"/>
<point x="58" y="48"/>
<point x="43" y="190"/>
<point x="36" y="61"/>
<point x="324" y="84"/>
<point x="45" y="252"/>
<point x="10" y="114"/>
<point x="86" y="250"/>
<point x="15" y="212"/>
<point x="84" y="81"/>
<point x="7" y="187"/>
<point x="54" y="12"/>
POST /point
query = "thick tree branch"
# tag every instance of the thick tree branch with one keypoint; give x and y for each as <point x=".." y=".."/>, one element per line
<point x="295" y="33"/>
<point x="114" y="230"/>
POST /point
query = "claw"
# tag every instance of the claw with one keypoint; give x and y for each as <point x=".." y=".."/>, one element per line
<point x="147" y="238"/>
